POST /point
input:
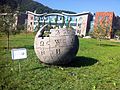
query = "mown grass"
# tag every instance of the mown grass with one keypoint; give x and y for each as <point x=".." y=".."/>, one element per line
<point x="96" y="67"/>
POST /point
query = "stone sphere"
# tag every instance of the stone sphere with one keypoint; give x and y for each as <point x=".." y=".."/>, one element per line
<point x="60" y="47"/>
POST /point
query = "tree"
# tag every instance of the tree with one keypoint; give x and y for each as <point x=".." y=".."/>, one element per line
<point x="7" y="22"/>
<point x="102" y="30"/>
<point x="117" y="34"/>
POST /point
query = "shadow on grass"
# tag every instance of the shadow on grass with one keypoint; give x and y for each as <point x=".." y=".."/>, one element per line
<point x="11" y="47"/>
<point x="77" y="62"/>
<point x="29" y="47"/>
<point x="81" y="62"/>
<point x="107" y="45"/>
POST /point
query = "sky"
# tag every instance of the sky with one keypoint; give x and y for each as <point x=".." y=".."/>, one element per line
<point x="79" y="6"/>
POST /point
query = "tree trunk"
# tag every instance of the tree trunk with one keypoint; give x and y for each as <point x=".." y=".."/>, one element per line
<point x="8" y="46"/>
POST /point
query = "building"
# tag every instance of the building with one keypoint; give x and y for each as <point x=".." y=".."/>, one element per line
<point x="30" y="22"/>
<point x="92" y="24"/>
<point x="105" y="21"/>
<point x="80" y="22"/>
<point x="22" y="19"/>
<point x="117" y="23"/>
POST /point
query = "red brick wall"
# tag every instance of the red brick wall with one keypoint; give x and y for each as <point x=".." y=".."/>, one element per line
<point x="100" y="19"/>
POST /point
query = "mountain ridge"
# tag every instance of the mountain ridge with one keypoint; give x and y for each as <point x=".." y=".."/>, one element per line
<point x="31" y="5"/>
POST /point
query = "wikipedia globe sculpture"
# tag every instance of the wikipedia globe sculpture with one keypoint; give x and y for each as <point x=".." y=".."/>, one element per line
<point x="60" y="47"/>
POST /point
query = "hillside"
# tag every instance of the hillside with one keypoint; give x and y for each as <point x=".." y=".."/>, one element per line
<point x="30" y="5"/>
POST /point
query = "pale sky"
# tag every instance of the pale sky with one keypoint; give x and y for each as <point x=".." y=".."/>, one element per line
<point x="84" y="5"/>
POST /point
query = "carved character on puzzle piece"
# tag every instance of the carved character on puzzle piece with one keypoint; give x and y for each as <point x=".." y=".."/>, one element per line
<point x="47" y="43"/>
<point x="41" y="43"/>
<point x="57" y="42"/>
<point x="57" y="51"/>
<point x="58" y="32"/>
<point x="42" y="52"/>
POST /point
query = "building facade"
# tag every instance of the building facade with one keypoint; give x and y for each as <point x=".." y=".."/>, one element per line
<point x="83" y="24"/>
<point x="30" y="22"/>
<point x="22" y="19"/>
<point x="105" y="21"/>
<point x="117" y="23"/>
<point x="80" y="22"/>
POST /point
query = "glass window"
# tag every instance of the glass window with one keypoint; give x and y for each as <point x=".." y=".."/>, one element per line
<point x="80" y="18"/>
<point x="106" y="18"/>
<point x="31" y="18"/>
<point x="80" y="25"/>
<point x="34" y="17"/>
<point x="107" y="29"/>
<point x="60" y="18"/>
<point x="99" y="18"/>
<point x="73" y="24"/>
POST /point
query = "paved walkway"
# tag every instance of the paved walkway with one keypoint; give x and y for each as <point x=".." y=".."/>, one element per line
<point x="114" y="40"/>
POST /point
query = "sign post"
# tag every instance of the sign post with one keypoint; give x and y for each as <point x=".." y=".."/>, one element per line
<point x="18" y="54"/>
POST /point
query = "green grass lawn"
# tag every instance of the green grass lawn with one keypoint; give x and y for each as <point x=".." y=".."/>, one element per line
<point x="96" y="67"/>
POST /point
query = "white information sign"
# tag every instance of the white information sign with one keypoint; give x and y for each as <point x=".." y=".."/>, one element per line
<point x="20" y="53"/>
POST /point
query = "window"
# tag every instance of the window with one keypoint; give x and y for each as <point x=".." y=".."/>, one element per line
<point x="80" y="18"/>
<point x="99" y="18"/>
<point x="59" y="18"/>
<point x="41" y="18"/>
<point x="31" y="18"/>
<point x="106" y="18"/>
<point x="80" y="25"/>
<point x="108" y="28"/>
<point x="73" y="24"/>
<point x="46" y="18"/>
<point x="35" y="18"/>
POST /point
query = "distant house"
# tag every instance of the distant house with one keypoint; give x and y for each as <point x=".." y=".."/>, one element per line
<point x="106" y="21"/>
<point x="80" y="22"/>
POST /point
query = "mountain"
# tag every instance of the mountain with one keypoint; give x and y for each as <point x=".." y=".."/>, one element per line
<point x="30" y="5"/>
<point x="4" y="3"/>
